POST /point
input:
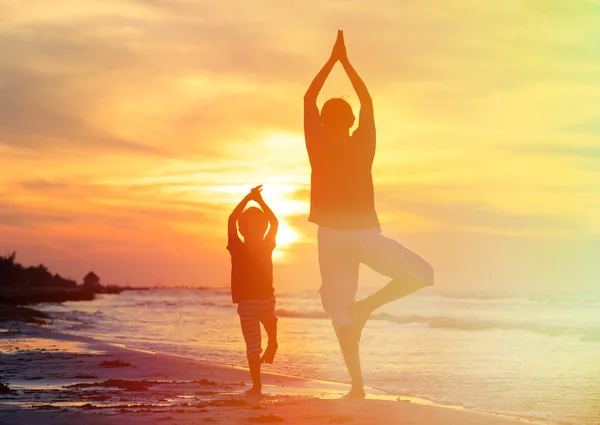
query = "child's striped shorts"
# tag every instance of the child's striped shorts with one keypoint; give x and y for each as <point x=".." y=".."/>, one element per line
<point x="252" y="314"/>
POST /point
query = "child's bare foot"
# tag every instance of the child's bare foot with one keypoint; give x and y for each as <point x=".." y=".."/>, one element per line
<point x="255" y="390"/>
<point x="269" y="353"/>
<point x="359" y="314"/>
<point x="356" y="393"/>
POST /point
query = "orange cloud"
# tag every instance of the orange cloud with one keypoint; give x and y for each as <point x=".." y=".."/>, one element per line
<point x="130" y="129"/>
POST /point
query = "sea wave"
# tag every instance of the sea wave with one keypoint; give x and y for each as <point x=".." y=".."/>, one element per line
<point x="77" y="320"/>
<point x="552" y="298"/>
<point x="590" y="332"/>
<point x="482" y="325"/>
<point x="301" y="314"/>
<point x="180" y="303"/>
<point x="441" y="322"/>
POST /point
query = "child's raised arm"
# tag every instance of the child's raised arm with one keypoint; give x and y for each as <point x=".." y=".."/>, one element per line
<point x="273" y="222"/>
<point x="232" y="231"/>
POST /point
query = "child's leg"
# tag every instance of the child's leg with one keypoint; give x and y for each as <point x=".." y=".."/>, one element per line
<point x="269" y="321"/>
<point x="272" y="346"/>
<point x="254" y="365"/>
<point x="251" y="331"/>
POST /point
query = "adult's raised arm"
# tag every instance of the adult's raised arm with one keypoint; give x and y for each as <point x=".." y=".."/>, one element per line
<point x="312" y="120"/>
<point x="366" y="119"/>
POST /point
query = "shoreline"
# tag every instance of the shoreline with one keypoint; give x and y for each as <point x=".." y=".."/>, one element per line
<point x="28" y="295"/>
<point x="208" y="384"/>
<point x="373" y="393"/>
<point x="22" y="314"/>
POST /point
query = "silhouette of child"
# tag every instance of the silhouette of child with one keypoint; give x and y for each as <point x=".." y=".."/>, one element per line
<point x="342" y="204"/>
<point x="252" y="279"/>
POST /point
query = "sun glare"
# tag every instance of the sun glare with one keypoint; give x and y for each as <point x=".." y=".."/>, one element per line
<point x="286" y="235"/>
<point x="280" y="199"/>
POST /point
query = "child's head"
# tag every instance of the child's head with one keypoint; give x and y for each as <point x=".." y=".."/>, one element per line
<point x="252" y="223"/>
<point x="337" y="114"/>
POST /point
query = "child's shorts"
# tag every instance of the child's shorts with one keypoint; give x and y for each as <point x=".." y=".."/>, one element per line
<point x="252" y="314"/>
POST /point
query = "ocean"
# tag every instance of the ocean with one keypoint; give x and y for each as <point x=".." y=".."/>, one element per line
<point x="534" y="356"/>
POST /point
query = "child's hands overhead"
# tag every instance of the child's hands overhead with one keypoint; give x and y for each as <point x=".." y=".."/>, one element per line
<point x="255" y="194"/>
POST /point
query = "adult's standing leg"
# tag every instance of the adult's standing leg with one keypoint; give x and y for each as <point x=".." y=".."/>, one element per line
<point x="409" y="273"/>
<point x="339" y="267"/>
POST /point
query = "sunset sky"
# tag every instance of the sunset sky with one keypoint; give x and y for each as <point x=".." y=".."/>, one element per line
<point x="129" y="129"/>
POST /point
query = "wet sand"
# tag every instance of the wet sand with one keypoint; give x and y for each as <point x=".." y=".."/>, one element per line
<point x="54" y="378"/>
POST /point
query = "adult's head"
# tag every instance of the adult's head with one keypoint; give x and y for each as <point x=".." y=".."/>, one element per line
<point x="337" y="115"/>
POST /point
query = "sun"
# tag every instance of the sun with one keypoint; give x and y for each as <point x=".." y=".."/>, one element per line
<point x="286" y="235"/>
<point x="279" y="197"/>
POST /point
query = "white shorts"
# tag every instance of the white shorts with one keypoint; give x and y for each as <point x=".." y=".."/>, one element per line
<point x="340" y="254"/>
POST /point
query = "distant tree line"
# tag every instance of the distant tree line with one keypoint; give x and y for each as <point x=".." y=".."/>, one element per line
<point x="13" y="274"/>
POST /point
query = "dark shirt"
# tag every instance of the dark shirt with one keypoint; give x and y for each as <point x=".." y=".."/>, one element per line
<point x="342" y="195"/>
<point x="251" y="269"/>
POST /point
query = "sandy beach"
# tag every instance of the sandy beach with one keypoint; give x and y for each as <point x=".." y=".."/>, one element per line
<point x="55" y="378"/>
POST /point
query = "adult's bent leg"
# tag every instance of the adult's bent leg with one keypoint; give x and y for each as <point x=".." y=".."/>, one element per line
<point x="395" y="289"/>
<point x="409" y="273"/>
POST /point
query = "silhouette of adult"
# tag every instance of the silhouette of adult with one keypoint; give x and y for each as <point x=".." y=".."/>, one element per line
<point x="342" y="205"/>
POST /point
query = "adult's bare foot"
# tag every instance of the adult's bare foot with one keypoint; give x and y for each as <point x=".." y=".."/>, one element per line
<point x="356" y="393"/>
<point x="269" y="354"/>
<point x="359" y="314"/>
